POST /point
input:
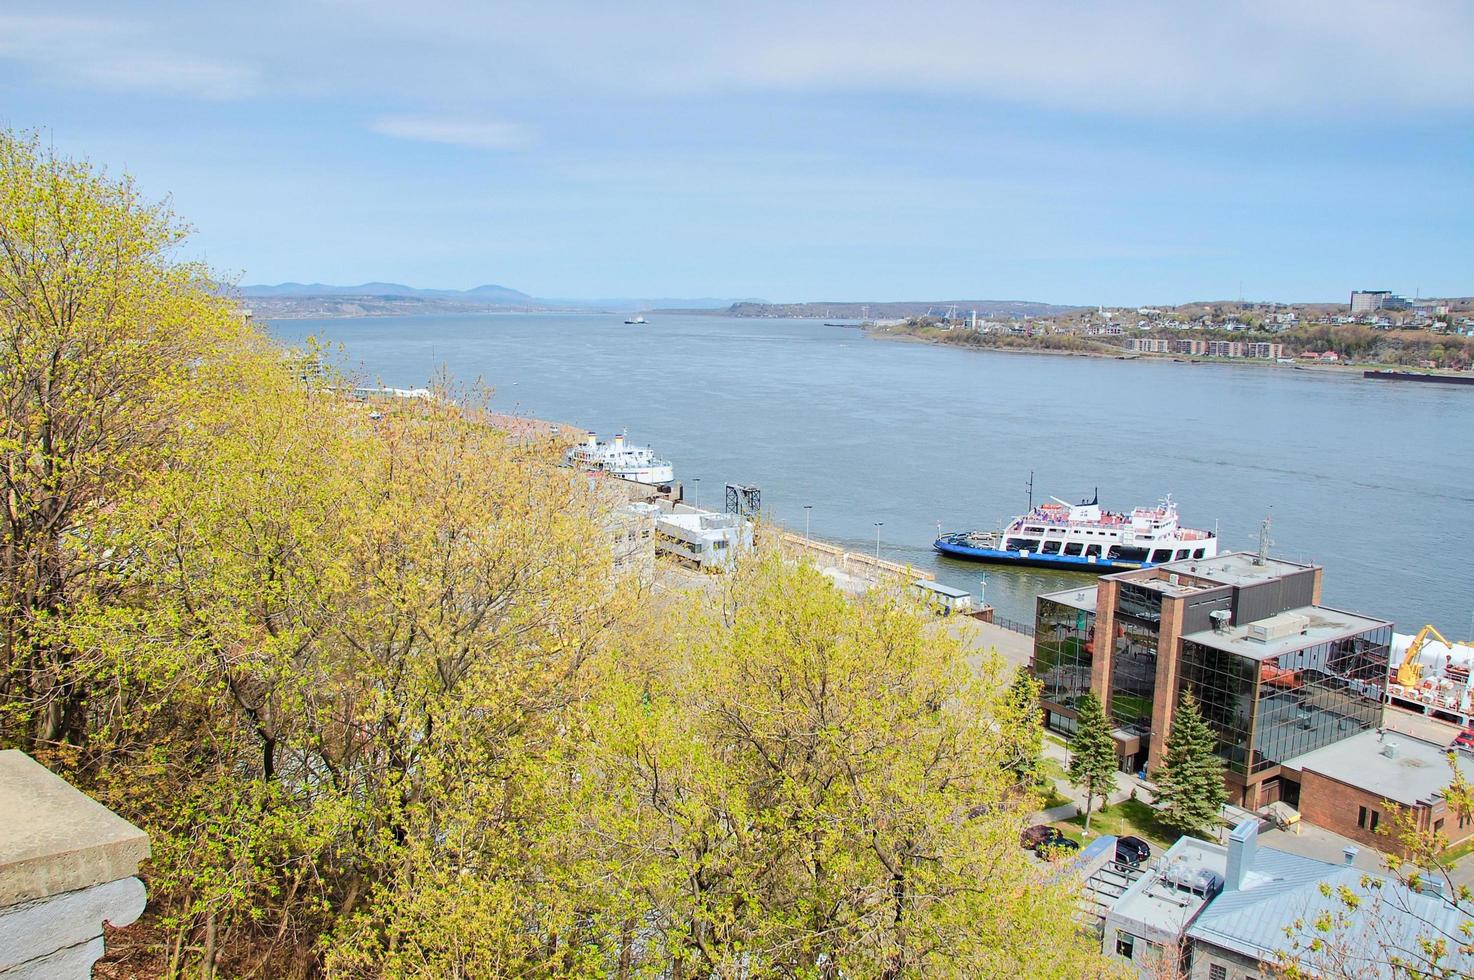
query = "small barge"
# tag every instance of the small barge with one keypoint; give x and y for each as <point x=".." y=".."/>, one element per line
<point x="1440" y="379"/>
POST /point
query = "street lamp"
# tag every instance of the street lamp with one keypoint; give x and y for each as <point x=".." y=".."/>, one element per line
<point x="808" y="509"/>
<point x="878" y="526"/>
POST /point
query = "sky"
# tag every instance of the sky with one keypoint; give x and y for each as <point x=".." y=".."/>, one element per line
<point x="1123" y="153"/>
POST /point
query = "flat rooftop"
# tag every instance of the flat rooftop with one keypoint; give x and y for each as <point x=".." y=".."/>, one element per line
<point x="1325" y="624"/>
<point x="1416" y="773"/>
<point x="1082" y="599"/>
<point x="1153" y="900"/>
<point x="940" y="589"/>
<point x="1237" y="568"/>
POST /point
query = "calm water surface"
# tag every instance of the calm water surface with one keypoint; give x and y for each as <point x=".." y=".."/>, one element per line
<point x="1373" y="479"/>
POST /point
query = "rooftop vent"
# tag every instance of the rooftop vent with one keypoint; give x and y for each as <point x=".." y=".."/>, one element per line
<point x="1278" y="627"/>
<point x="1390" y="750"/>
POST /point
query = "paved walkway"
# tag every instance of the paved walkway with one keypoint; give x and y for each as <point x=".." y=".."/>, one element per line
<point x="1126" y="784"/>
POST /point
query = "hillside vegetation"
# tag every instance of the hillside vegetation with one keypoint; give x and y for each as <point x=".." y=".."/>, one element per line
<point x="368" y="681"/>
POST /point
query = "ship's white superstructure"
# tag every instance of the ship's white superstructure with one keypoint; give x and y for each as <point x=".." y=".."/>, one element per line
<point x="1084" y="536"/>
<point x="1147" y="534"/>
<point x="622" y="459"/>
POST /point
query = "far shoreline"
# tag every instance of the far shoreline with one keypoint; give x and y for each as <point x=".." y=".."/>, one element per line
<point x="1311" y="367"/>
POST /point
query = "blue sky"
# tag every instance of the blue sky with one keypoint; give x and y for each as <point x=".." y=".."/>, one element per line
<point x="1119" y="153"/>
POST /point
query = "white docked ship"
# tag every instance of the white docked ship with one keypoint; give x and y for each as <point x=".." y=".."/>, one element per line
<point x="1084" y="537"/>
<point x="622" y="459"/>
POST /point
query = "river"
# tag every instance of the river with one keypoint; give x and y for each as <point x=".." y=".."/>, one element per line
<point x="1374" y="480"/>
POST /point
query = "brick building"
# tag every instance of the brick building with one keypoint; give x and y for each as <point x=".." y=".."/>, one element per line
<point x="1276" y="674"/>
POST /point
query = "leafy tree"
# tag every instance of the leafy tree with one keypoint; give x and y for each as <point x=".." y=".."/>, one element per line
<point x="1093" y="753"/>
<point x="1019" y="717"/>
<point x="1190" y="788"/>
<point x="798" y="784"/>
<point x="102" y="342"/>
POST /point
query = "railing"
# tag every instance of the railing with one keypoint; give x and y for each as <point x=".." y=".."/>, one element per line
<point x="1014" y="625"/>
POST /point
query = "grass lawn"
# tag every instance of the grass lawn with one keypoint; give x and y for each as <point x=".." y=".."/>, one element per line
<point x="1128" y="818"/>
<point x="1459" y="850"/>
<point x="1052" y="772"/>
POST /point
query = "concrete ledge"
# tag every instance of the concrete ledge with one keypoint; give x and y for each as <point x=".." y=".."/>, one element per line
<point x="54" y="839"/>
<point x="68" y="926"/>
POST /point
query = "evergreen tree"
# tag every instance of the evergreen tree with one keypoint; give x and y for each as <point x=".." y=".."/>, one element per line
<point x="1093" y="758"/>
<point x="1190" y="786"/>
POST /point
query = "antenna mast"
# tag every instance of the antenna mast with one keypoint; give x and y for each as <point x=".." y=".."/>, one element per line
<point x="1031" y="491"/>
<point x="1264" y="541"/>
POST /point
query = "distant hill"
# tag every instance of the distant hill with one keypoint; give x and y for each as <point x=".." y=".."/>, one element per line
<point x="489" y="295"/>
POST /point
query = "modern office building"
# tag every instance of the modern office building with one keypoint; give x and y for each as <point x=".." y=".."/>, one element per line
<point x="1276" y="674"/>
<point x="1371" y="300"/>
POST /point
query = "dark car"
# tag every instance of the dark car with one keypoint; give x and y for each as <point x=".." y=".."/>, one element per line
<point x="1132" y="850"/>
<point x="1042" y="837"/>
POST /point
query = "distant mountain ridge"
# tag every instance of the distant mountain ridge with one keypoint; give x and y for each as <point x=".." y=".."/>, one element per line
<point x="490" y="294"/>
<point x="313" y="299"/>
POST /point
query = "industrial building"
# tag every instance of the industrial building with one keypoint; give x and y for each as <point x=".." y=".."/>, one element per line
<point x="1276" y="674"/>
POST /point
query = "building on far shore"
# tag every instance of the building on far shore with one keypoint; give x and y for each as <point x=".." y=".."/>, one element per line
<point x="1371" y="300"/>
<point x="1276" y="674"/>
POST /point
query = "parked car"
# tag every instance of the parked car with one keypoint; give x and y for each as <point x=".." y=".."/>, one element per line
<point x="1042" y="837"/>
<point x="1463" y="741"/>
<point x="1132" y="851"/>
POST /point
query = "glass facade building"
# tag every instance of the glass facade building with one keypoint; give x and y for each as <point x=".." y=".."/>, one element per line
<point x="1265" y="712"/>
<point x="1319" y="695"/>
<point x="1134" y="673"/>
<point x="1063" y="643"/>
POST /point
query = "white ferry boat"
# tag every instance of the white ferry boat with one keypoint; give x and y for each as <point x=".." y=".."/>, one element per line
<point x="621" y="459"/>
<point x="636" y="319"/>
<point x="1083" y="537"/>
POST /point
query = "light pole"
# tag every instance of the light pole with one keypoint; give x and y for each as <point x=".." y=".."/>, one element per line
<point x="808" y="509"/>
<point x="878" y="526"/>
<point x="697" y="481"/>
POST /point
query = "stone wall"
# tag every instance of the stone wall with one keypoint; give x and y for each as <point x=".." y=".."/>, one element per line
<point x="67" y="865"/>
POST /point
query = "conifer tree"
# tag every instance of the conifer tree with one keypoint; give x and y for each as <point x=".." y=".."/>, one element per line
<point x="1190" y="786"/>
<point x="1093" y="753"/>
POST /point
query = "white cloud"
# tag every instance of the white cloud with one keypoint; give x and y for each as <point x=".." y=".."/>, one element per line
<point x="460" y="132"/>
<point x="1237" y="60"/>
<point x="102" y="53"/>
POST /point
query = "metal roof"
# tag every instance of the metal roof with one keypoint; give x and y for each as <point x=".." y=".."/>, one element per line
<point x="1283" y="890"/>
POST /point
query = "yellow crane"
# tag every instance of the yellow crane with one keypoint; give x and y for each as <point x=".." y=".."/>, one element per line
<point x="1409" y="672"/>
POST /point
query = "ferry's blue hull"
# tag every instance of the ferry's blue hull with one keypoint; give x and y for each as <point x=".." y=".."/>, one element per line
<point x="1065" y="563"/>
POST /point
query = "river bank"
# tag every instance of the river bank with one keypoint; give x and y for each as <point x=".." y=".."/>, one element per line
<point x="910" y="436"/>
<point x="1315" y="367"/>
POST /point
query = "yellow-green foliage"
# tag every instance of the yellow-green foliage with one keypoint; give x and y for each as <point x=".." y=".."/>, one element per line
<point x="367" y="679"/>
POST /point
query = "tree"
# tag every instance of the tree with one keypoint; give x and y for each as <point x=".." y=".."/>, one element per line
<point x="1190" y="789"/>
<point x="793" y="783"/>
<point x="1019" y="716"/>
<point x="102" y="338"/>
<point x="1093" y="753"/>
